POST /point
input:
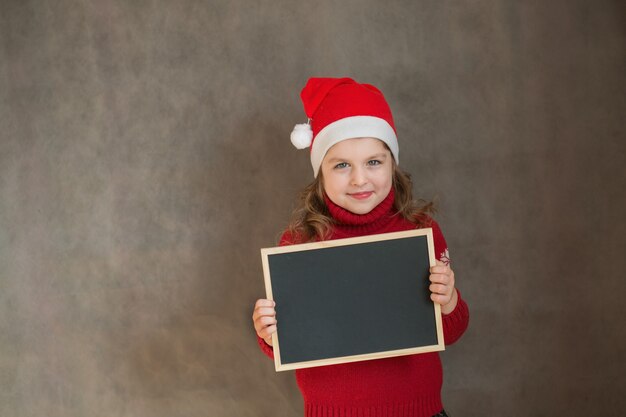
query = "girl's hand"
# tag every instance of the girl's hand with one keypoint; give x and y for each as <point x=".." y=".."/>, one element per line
<point x="264" y="319"/>
<point x="442" y="287"/>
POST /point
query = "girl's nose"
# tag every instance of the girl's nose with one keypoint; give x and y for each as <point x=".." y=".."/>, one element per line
<point x="358" y="177"/>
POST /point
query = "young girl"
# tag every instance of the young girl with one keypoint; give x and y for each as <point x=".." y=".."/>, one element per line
<point x="359" y="190"/>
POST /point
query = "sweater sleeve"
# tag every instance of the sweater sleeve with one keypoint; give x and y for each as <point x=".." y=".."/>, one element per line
<point x="267" y="349"/>
<point x="455" y="323"/>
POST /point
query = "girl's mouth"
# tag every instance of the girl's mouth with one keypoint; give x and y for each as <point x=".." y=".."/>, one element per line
<point x="362" y="195"/>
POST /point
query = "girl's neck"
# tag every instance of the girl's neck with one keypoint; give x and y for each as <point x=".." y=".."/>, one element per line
<point x="351" y="224"/>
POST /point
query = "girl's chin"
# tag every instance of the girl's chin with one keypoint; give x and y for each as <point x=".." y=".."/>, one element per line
<point x="360" y="208"/>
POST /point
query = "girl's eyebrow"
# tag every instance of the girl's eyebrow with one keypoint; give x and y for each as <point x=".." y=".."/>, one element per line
<point x="335" y="159"/>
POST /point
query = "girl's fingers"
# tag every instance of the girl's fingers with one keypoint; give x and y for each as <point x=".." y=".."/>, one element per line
<point x="267" y="331"/>
<point x="442" y="283"/>
<point x="265" y="321"/>
<point x="263" y="329"/>
<point x="439" y="289"/>
<point x="266" y="334"/>
<point x="441" y="299"/>
<point x="446" y="278"/>
<point x="263" y="311"/>
<point x="439" y="279"/>
<point x="264" y="303"/>
<point x="263" y="308"/>
<point x="264" y="318"/>
<point x="439" y="268"/>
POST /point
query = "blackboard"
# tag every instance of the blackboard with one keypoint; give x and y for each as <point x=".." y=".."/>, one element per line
<point x="353" y="299"/>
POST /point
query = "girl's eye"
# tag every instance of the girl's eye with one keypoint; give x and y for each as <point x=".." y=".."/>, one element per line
<point x="341" y="165"/>
<point x="373" y="162"/>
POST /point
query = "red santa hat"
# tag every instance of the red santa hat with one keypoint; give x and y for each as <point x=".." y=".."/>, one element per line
<point x="340" y="109"/>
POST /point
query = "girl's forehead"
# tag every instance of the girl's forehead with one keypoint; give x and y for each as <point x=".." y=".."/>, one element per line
<point x="357" y="147"/>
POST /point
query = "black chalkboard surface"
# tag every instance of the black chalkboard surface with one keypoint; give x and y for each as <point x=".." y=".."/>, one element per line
<point x="354" y="299"/>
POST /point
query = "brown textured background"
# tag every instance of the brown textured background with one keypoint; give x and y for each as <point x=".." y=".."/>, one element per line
<point x="145" y="159"/>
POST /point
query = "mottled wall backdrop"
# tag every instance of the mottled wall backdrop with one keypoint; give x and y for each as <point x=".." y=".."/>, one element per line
<point x="145" y="159"/>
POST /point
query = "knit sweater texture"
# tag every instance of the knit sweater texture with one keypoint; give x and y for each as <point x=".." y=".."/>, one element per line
<point x="408" y="386"/>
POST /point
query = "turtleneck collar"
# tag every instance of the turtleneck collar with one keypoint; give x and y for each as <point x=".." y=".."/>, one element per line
<point x="351" y="224"/>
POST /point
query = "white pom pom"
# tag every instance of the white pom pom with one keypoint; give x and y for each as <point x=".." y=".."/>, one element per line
<point x="302" y="136"/>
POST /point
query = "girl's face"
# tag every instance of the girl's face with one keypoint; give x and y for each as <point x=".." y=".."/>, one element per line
<point x="357" y="174"/>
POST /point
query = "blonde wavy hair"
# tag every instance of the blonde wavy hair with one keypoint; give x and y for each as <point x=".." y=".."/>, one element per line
<point x="311" y="220"/>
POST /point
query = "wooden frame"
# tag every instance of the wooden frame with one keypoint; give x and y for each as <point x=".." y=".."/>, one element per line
<point x="325" y="317"/>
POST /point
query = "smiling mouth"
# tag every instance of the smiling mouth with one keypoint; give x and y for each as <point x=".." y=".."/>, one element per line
<point x="362" y="195"/>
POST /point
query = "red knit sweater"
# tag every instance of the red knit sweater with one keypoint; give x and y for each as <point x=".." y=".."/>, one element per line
<point x="408" y="386"/>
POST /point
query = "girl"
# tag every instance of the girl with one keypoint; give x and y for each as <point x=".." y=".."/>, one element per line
<point x="359" y="190"/>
